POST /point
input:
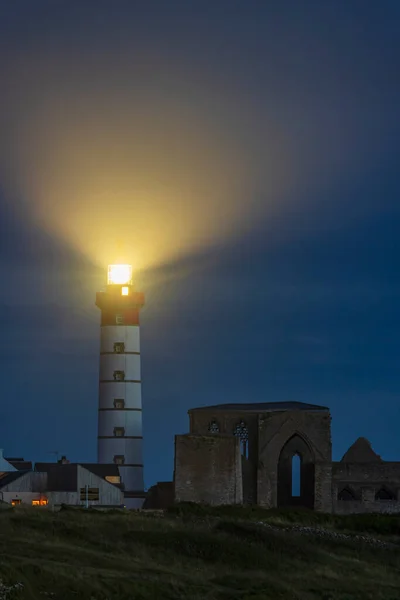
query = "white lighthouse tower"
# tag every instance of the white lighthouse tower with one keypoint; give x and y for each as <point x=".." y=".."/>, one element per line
<point x="120" y="397"/>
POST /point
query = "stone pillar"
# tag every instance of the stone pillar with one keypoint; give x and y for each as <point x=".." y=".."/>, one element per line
<point x="323" y="488"/>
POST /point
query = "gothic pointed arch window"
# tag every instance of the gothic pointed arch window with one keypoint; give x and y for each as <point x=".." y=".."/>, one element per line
<point x="346" y="494"/>
<point x="384" y="494"/>
<point x="213" y="427"/>
<point x="242" y="433"/>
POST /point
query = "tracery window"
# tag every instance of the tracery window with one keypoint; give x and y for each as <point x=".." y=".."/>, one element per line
<point x="213" y="427"/>
<point x="242" y="433"/>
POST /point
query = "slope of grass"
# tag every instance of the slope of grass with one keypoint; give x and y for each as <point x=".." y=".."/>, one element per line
<point x="192" y="552"/>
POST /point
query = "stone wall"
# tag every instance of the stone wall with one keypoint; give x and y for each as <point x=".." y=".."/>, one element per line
<point x="227" y="421"/>
<point x="160" y="496"/>
<point x="364" y="480"/>
<point x="275" y="429"/>
<point x="208" y="469"/>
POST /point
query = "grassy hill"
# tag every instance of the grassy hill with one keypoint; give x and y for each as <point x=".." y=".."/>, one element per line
<point x="198" y="553"/>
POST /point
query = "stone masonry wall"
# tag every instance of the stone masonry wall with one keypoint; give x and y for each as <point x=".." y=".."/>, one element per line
<point x="227" y="421"/>
<point x="208" y="469"/>
<point x="274" y="430"/>
<point x="364" y="480"/>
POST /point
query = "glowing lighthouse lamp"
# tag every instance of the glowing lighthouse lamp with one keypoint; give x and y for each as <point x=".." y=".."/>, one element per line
<point x="120" y="398"/>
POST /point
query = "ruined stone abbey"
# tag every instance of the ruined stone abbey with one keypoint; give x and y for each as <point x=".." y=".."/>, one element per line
<point x="243" y="454"/>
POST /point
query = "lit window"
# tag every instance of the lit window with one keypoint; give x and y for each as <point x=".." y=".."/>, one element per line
<point x="125" y="291"/>
<point x="16" y="501"/>
<point x="119" y="459"/>
<point x="213" y="427"/>
<point x="119" y="431"/>
<point x="113" y="478"/>
<point x="119" y="403"/>
<point x="40" y="502"/>
<point x="119" y="319"/>
<point x="119" y="376"/>
<point x="242" y="433"/>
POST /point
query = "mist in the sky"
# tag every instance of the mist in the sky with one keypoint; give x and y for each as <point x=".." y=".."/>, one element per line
<point x="145" y="135"/>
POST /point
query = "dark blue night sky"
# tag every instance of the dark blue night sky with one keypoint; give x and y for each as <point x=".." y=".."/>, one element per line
<point x="298" y="299"/>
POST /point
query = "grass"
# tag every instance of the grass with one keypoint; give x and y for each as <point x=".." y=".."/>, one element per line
<point x="193" y="552"/>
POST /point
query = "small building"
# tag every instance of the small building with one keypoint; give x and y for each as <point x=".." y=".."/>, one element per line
<point x="54" y="484"/>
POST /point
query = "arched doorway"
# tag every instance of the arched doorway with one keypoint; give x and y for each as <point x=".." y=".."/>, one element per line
<point x="296" y="474"/>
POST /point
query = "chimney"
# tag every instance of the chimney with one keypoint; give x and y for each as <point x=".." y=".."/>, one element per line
<point x="63" y="461"/>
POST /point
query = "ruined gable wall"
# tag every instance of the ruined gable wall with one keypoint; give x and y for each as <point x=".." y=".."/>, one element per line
<point x="274" y="430"/>
<point x="208" y="469"/>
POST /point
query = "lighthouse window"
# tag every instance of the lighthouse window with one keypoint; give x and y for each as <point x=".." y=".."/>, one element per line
<point x="119" y="403"/>
<point x="119" y="459"/>
<point x="119" y="319"/>
<point x="119" y="431"/>
<point x="119" y="376"/>
<point x="119" y="347"/>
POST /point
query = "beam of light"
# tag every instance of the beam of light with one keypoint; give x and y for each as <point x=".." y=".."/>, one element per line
<point x="134" y="144"/>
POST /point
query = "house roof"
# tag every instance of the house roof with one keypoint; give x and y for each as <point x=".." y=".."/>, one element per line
<point x="9" y="477"/>
<point x="361" y="452"/>
<point x="63" y="477"/>
<point x="20" y="464"/>
<point x="101" y="470"/>
<point x="4" y="464"/>
<point x="260" y="407"/>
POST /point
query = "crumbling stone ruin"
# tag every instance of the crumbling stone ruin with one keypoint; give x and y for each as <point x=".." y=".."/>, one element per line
<point x="243" y="453"/>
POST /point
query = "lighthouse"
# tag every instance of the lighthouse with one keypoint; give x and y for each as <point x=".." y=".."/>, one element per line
<point x="120" y="437"/>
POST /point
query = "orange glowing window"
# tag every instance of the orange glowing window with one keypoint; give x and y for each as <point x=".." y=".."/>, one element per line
<point x="16" y="501"/>
<point x="40" y="502"/>
<point x="113" y="478"/>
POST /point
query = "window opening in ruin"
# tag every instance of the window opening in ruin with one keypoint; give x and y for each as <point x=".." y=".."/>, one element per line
<point x="346" y="494"/>
<point x="242" y="433"/>
<point x="384" y="494"/>
<point x="296" y="476"/>
<point x="213" y="427"/>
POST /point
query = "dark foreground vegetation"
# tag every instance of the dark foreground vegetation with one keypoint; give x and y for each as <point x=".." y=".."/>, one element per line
<point x="196" y="553"/>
